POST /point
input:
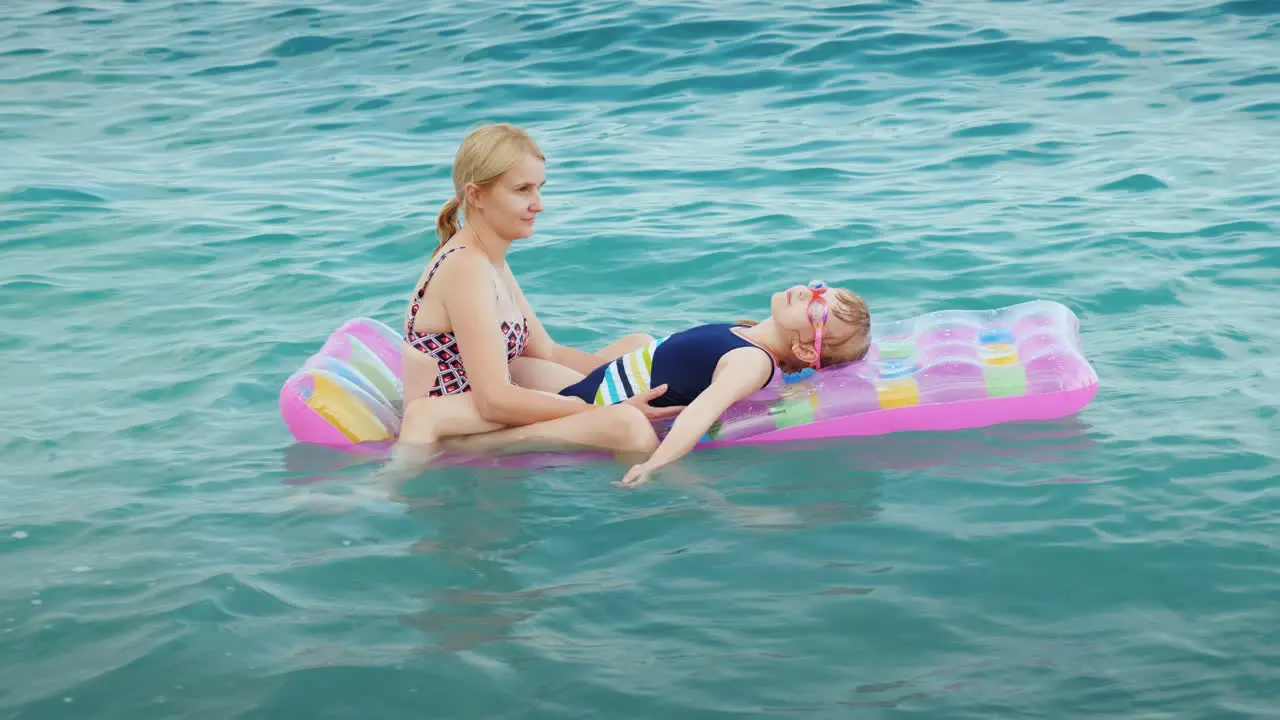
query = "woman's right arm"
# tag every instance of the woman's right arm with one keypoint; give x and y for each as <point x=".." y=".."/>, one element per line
<point x="470" y="305"/>
<point x="472" y="311"/>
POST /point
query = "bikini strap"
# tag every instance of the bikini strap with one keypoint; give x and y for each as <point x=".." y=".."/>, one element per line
<point x="413" y="311"/>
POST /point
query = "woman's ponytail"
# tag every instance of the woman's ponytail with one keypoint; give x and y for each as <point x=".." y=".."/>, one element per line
<point x="447" y="221"/>
<point x="487" y="153"/>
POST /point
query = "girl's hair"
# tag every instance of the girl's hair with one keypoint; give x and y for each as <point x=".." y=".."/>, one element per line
<point x="853" y="310"/>
<point x="485" y="154"/>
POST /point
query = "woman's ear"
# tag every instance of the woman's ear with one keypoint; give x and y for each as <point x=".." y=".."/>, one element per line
<point x="473" y="195"/>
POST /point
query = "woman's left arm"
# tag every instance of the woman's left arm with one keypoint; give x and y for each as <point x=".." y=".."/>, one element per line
<point x="540" y="344"/>
<point x="739" y="373"/>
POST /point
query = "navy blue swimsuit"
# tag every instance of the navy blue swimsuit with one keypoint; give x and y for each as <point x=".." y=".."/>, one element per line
<point x="684" y="361"/>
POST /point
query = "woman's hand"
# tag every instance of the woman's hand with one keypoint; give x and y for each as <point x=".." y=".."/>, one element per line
<point x="641" y="401"/>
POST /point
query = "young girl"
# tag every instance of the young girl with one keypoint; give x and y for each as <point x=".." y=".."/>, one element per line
<point x="709" y="367"/>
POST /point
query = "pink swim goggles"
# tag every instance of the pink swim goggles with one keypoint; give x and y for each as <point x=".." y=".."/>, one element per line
<point x="818" y="289"/>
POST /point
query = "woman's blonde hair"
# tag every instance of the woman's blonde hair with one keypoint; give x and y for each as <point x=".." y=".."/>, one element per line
<point x="485" y="154"/>
<point x="854" y="312"/>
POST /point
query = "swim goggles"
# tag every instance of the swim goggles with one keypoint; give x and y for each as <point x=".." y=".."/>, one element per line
<point x="818" y="289"/>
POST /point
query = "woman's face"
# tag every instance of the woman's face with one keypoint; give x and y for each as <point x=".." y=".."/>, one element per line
<point x="512" y="203"/>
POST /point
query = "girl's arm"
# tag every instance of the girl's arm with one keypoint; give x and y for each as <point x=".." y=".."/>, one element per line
<point x="739" y="373"/>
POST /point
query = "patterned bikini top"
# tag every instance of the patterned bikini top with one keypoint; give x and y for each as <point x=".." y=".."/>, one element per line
<point x="451" y="376"/>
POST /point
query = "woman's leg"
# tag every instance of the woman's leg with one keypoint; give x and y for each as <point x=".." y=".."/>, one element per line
<point x="621" y="429"/>
<point x="429" y="421"/>
<point x="426" y="420"/>
<point x="453" y="421"/>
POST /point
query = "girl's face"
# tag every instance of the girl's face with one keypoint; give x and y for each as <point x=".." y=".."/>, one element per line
<point x="801" y="313"/>
<point x="512" y="203"/>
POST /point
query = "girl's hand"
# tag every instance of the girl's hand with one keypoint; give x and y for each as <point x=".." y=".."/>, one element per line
<point x="739" y="373"/>
<point x="637" y="475"/>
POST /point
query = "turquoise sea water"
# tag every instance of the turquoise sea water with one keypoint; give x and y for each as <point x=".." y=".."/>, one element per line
<point x="194" y="194"/>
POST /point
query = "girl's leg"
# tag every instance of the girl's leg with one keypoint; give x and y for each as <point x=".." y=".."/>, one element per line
<point x="548" y="376"/>
<point x="622" y="346"/>
<point x="544" y="375"/>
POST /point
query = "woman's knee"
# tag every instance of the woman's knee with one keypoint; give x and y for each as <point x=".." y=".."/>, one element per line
<point x="634" y="431"/>
<point x="431" y="419"/>
<point x="418" y="424"/>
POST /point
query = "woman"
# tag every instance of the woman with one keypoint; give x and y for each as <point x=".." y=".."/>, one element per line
<point x="476" y="358"/>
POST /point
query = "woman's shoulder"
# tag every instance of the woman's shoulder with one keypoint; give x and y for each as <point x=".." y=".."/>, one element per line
<point x="454" y="248"/>
<point x="458" y="259"/>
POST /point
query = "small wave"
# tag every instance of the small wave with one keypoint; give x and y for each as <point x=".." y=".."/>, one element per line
<point x="1249" y="8"/>
<point x="1003" y="129"/>
<point x="1269" y="78"/>
<point x="305" y="45"/>
<point x="231" y="69"/>
<point x="1138" y="182"/>
<point x="51" y="195"/>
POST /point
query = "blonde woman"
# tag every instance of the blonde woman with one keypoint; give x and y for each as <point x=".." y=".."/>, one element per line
<point x="476" y="358"/>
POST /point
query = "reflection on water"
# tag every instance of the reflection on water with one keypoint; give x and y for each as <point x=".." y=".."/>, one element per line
<point x="899" y="692"/>
<point x="473" y="525"/>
